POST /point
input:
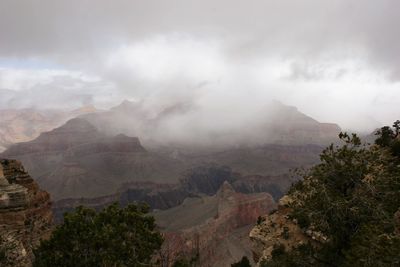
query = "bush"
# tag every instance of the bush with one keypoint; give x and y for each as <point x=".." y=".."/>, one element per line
<point x="112" y="237"/>
<point x="351" y="197"/>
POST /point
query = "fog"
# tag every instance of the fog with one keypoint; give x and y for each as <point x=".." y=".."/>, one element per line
<point x="336" y="61"/>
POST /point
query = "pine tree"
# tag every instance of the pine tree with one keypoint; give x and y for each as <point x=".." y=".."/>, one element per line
<point x="112" y="237"/>
<point x="351" y="197"/>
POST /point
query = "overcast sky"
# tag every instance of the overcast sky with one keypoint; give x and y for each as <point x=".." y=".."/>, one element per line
<point x="336" y="60"/>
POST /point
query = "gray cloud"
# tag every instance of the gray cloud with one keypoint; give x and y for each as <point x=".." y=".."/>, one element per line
<point x="306" y="27"/>
<point x="342" y="53"/>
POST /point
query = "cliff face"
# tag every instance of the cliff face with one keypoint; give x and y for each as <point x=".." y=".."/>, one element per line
<point x="25" y="213"/>
<point x="214" y="227"/>
<point x="278" y="228"/>
<point x="199" y="181"/>
<point x="76" y="160"/>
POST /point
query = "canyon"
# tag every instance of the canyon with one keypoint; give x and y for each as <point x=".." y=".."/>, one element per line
<point x="78" y="160"/>
<point x="206" y="198"/>
<point x="212" y="229"/>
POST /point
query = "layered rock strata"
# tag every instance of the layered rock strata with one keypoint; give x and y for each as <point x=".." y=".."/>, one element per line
<point x="25" y="214"/>
<point x="214" y="229"/>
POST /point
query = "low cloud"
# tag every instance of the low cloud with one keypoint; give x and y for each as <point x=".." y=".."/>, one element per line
<point x="337" y="61"/>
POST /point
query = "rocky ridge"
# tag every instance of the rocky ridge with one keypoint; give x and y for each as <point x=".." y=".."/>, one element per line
<point x="279" y="228"/>
<point x="197" y="182"/>
<point x="89" y="158"/>
<point x="203" y="227"/>
<point x="25" y="214"/>
<point x="76" y="160"/>
<point x="23" y="125"/>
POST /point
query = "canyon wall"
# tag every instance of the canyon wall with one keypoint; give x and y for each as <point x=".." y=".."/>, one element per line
<point x="25" y="214"/>
<point x="213" y="230"/>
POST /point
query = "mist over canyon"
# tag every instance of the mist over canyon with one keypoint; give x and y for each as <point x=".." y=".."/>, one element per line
<point x="126" y="155"/>
<point x="188" y="133"/>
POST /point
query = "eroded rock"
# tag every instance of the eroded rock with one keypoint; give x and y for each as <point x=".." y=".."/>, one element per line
<point x="278" y="228"/>
<point x="25" y="214"/>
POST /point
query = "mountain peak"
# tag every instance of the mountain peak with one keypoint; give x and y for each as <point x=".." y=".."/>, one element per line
<point x="76" y="125"/>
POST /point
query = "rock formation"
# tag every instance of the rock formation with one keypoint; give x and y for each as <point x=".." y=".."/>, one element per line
<point x="25" y="214"/>
<point x="197" y="182"/>
<point x="81" y="159"/>
<point x="279" y="228"/>
<point x="212" y="227"/>
<point x="78" y="161"/>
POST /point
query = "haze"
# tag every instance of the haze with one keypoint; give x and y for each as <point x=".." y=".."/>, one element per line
<point x="336" y="61"/>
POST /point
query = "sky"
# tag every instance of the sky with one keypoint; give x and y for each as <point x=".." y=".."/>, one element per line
<point x="336" y="61"/>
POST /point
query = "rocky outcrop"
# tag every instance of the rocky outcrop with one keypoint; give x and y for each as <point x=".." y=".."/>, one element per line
<point x="278" y="228"/>
<point x="25" y="214"/>
<point x="204" y="226"/>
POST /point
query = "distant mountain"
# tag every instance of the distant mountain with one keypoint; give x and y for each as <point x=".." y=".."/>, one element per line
<point x="22" y="125"/>
<point x="287" y="125"/>
<point x="77" y="160"/>
<point x="93" y="156"/>
<point x="216" y="183"/>
<point x="179" y="125"/>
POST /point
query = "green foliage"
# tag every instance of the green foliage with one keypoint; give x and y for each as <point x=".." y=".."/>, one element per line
<point x="185" y="261"/>
<point x="302" y="256"/>
<point x="278" y="251"/>
<point x="112" y="237"/>
<point x="244" y="262"/>
<point x="260" y="220"/>
<point x="3" y="253"/>
<point x="6" y="246"/>
<point x="350" y="198"/>
<point x="385" y="136"/>
<point x="372" y="248"/>
<point x="285" y="233"/>
<point x="182" y="263"/>
<point x="390" y="138"/>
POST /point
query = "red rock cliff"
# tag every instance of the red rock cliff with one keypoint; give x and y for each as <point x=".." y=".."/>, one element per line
<point x="225" y="215"/>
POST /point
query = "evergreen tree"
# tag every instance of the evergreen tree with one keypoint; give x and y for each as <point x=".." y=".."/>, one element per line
<point x="351" y="197"/>
<point x="112" y="237"/>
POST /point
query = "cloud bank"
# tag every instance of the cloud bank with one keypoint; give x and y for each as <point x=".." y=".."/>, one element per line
<point x="337" y="61"/>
